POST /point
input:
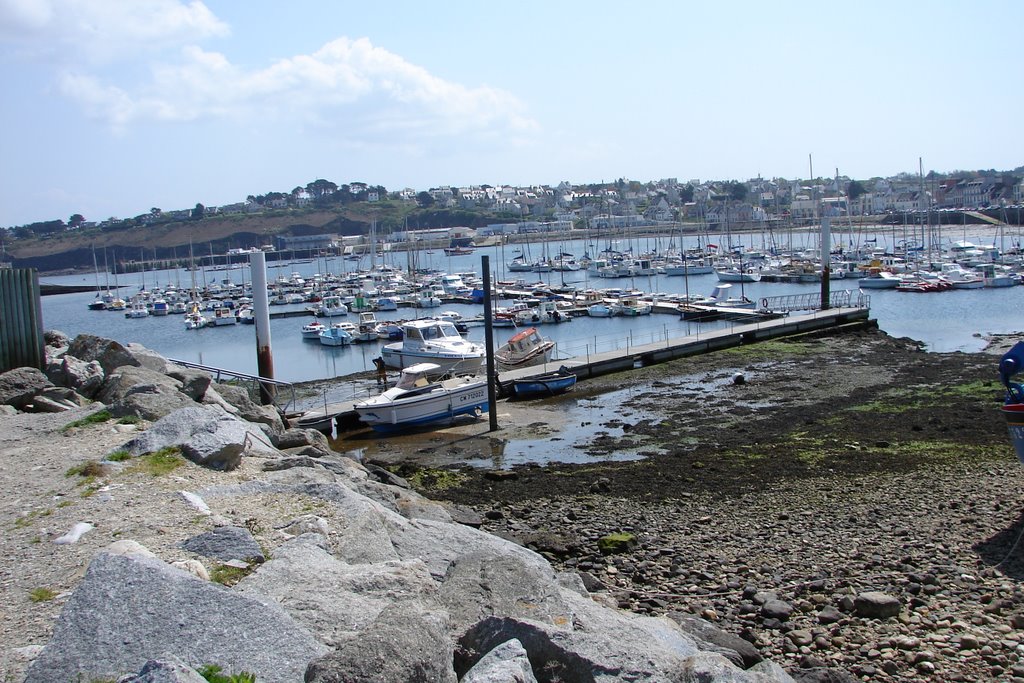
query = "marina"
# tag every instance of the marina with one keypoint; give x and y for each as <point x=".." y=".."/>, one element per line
<point x="948" y="321"/>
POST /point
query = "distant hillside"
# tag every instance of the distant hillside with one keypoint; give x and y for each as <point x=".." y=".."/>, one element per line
<point x="172" y="240"/>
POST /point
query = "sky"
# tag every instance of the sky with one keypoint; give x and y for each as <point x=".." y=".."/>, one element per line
<point x="113" y="107"/>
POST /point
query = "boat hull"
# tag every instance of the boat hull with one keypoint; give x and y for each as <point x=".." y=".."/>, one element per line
<point x="539" y="386"/>
<point x="407" y="412"/>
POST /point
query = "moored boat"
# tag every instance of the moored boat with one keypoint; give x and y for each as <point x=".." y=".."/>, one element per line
<point x="538" y="386"/>
<point x="523" y="349"/>
<point x="416" y="401"/>
<point x="433" y="341"/>
<point x="336" y="335"/>
<point x="312" y="329"/>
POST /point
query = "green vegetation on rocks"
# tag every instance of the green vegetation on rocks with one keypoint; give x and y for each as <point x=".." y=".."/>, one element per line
<point x="619" y="542"/>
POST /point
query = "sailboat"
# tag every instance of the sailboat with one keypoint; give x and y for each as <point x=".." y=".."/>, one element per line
<point x="99" y="304"/>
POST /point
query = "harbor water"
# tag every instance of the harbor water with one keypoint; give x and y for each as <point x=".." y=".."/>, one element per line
<point x="954" y="320"/>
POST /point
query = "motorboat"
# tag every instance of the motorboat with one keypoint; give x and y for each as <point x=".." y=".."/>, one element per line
<point x="416" y="401"/>
<point x="336" y="335"/>
<point x="523" y="349"/>
<point x="222" y="315"/>
<point x="312" y="329"/>
<point x="433" y="341"/>
<point x="137" y="310"/>
<point x="331" y="306"/>
<point x="366" y="330"/>
<point x="631" y="306"/>
<point x="879" y="279"/>
<point x="544" y="312"/>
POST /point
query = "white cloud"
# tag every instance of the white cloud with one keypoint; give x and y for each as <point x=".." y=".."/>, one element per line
<point x="99" y="31"/>
<point x="349" y="86"/>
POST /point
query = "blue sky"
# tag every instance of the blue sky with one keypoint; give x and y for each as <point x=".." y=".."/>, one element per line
<point x="115" y="106"/>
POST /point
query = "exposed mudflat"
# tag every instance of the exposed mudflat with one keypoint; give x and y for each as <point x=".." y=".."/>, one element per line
<point x="807" y="470"/>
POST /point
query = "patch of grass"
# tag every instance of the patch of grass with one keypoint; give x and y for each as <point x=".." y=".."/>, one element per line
<point x="42" y="595"/>
<point x="227" y="575"/>
<point x="163" y="461"/>
<point x="436" y="479"/>
<point x="129" y="420"/>
<point x="772" y="349"/>
<point x="89" y="471"/>
<point x="99" y="417"/>
<point x="212" y="673"/>
<point x="119" y="456"/>
<point x="980" y="390"/>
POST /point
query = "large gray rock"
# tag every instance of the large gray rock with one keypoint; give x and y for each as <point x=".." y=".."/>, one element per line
<point x="605" y="646"/>
<point x="403" y="644"/>
<point x="84" y="377"/>
<point x="710" y="637"/>
<point x="484" y="584"/>
<point x="166" y="670"/>
<point x="133" y="390"/>
<point x="297" y="438"/>
<point x="876" y="605"/>
<point x="335" y="600"/>
<point x="194" y="383"/>
<point x="205" y="435"/>
<point x="236" y="400"/>
<point x="55" y="339"/>
<point x="507" y="663"/>
<point x="226" y="543"/>
<point x="109" y="353"/>
<point x="149" y="359"/>
<point x="128" y="609"/>
<point x="19" y="386"/>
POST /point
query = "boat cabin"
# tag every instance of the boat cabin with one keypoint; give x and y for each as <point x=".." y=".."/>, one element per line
<point x="416" y="376"/>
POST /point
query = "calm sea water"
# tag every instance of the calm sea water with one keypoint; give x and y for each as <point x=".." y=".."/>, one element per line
<point x="944" y="321"/>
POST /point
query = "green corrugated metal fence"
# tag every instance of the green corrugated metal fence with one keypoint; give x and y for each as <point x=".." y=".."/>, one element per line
<point x="21" y="320"/>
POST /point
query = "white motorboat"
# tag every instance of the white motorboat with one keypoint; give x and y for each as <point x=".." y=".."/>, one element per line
<point x="336" y="335"/>
<point x="433" y="341"/>
<point x="137" y="309"/>
<point x="416" y="401"/>
<point x="631" y="306"/>
<point x="331" y="306"/>
<point x="523" y="349"/>
<point x="879" y="279"/>
<point x="222" y="315"/>
<point x="312" y="329"/>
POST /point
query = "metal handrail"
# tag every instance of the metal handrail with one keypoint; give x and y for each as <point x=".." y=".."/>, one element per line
<point x="263" y="382"/>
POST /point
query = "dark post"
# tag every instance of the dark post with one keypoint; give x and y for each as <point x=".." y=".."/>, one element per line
<point x="492" y="401"/>
<point x="826" y="256"/>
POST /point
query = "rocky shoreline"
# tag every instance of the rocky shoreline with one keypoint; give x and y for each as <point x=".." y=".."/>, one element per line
<point x="158" y="524"/>
<point x="847" y="507"/>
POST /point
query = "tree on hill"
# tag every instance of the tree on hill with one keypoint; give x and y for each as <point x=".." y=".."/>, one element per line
<point x="198" y="212"/>
<point x="686" y="193"/>
<point x="425" y="199"/>
<point x="855" y="189"/>
<point x="320" y="188"/>
<point x="76" y="220"/>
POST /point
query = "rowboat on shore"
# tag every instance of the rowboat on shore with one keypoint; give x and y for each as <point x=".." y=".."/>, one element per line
<point x="539" y="386"/>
